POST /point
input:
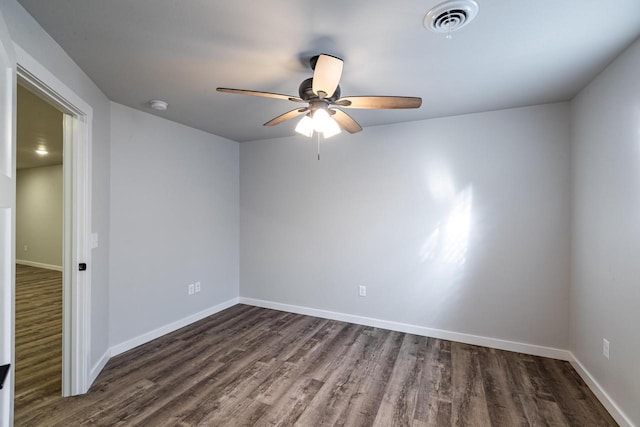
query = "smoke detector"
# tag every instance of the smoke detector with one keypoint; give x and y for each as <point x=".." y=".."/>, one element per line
<point x="156" y="104"/>
<point x="450" y="16"/>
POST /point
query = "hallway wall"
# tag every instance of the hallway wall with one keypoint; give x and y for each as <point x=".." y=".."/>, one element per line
<point x="39" y="217"/>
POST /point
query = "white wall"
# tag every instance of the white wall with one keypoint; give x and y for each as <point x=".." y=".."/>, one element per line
<point x="459" y="223"/>
<point x="174" y="216"/>
<point x="605" y="292"/>
<point x="39" y="215"/>
<point x="30" y="37"/>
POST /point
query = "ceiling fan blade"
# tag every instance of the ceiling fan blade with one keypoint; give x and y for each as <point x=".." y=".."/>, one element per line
<point x="326" y="75"/>
<point x="345" y="121"/>
<point x="262" y="94"/>
<point x="286" y="116"/>
<point x="379" y="102"/>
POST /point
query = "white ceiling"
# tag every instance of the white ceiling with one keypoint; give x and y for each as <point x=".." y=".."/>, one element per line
<point x="39" y="125"/>
<point x="515" y="53"/>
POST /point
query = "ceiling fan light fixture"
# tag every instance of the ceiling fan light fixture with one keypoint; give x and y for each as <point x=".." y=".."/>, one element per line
<point x="320" y="121"/>
<point x="325" y="124"/>
<point x="305" y="126"/>
<point x="332" y="130"/>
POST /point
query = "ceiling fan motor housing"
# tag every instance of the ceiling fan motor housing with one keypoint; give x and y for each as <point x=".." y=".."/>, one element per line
<point x="305" y="91"/>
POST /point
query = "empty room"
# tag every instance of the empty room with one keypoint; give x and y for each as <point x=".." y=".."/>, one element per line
<point x="412" y="213"/>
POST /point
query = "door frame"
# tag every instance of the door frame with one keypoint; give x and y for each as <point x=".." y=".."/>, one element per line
<point x="76" y="323"/>
<point x="7" y="216"/>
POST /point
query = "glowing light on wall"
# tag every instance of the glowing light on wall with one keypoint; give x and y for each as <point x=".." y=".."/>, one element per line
<point x="449" y="241"/>
<point x="440" y="183"/>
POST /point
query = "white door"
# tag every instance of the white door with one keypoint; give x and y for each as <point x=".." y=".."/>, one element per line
<point x="7" y="211"/>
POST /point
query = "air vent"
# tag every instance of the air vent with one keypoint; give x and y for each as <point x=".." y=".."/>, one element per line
<point x="451" y="15"/>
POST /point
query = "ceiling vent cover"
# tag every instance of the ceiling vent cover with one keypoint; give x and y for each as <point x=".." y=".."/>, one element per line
<point x="451" y="15"/>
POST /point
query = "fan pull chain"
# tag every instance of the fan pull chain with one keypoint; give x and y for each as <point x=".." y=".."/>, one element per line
<point x="318" y="134"/>
<point x="449" y="36"/>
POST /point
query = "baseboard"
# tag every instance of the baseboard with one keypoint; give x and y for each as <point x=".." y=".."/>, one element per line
<point x="163" y="330"/>
<point x="39" y="265"/>
<point x="519" y="347"/>
<point x="98" y="367"/>
<point x="604" y="398"/>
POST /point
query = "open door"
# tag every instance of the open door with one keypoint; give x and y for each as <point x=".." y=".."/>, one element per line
<point x="77" y="183"/>
<point x="7" y="215"/>
<point x="78" y="116"/>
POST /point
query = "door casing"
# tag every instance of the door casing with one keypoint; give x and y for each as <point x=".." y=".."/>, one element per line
<point x="76" y="349"/>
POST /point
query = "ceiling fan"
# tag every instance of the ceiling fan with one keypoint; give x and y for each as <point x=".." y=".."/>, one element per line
<point x="323" y="113"/>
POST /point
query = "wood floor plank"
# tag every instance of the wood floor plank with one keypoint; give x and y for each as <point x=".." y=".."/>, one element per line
<point x="400" y="398"/>
<point x="38" y="335"/>
<point x="433" y="406"/>
<point x="249" y="366"/>
<point x="578" y="404"/>
<point x="273" y="357"/>
<point x="288" y="409"/>
<point x="500" y="390"/>
<point x="333" y="352"/>
<point x="364" y="403"/>
<point x="345" y="372"/>
<point x="469" y="404"/>
<point x="110" y="412"/>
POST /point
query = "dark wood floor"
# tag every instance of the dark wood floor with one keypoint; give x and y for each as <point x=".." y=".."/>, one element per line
<point x="252" y="366"/>
<point x="38" y="336"/>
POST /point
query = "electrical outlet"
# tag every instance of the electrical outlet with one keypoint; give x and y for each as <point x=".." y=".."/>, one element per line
<point x="362" y="291"/>
<point x="197" y="287"/>
<point x="605" y="348"/>
<point x="191" y="288"/>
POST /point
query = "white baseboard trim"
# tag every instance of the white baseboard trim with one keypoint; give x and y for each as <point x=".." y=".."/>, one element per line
<point x="519" y="347"/>
<point x="98" y="367"/>
<point x="163" y="330"/>
<point x="39" y="265"/>
<point x="604" y="398"/>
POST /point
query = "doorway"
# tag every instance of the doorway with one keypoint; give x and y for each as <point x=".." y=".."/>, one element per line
<point x="16" y="65"/>
<point x="39" y="251"/>
<point x="77" y="117"/>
